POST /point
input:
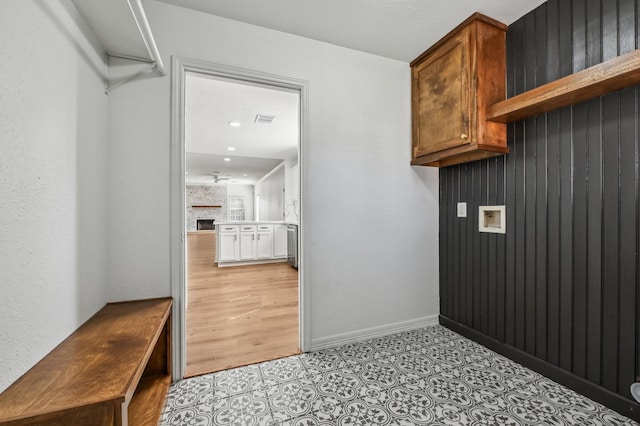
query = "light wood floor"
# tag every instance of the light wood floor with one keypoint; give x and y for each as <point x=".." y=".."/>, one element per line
<point x="237" y="315"/>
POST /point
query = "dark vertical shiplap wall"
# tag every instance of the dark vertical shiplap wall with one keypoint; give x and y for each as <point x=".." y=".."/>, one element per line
<point x="562" y="284"/>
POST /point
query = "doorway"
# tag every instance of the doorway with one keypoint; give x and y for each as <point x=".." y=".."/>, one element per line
<point x="236" y="314"/>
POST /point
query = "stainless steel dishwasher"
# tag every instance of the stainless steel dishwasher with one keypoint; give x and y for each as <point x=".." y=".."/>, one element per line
<point x="292" y="245"/>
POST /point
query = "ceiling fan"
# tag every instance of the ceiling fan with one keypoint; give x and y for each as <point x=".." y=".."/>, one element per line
<point x="217" y="178"/>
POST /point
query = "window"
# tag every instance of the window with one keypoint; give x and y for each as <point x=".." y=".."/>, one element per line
<point x="236" y="208"/>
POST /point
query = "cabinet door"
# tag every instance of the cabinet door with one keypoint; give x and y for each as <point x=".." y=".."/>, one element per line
<point x="441" y="98"/>
<point x="265" y="245"/>
<point x="228" y="247"/>
<point x="247" y="246"/>
<point x="280" y="241"/>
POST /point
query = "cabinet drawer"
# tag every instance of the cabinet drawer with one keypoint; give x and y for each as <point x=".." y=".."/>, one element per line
<point x="248" y="228"/>
<point x="228" y="228"/>
<point x="265" y="227"/>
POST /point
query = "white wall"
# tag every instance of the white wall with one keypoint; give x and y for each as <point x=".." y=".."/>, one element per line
<point x="53" y="181"/>
<point x="270" y="195"/>
<point x="371" y="225"/>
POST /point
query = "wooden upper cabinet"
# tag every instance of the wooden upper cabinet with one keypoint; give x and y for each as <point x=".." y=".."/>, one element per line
<point x="452" y="84"/>
<point x="441" y="84"/>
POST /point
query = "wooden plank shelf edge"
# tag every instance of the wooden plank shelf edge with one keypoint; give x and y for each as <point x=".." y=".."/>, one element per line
<point x="614" y="74"/>
<point x="207" y="207"/>
<point x="460" y="155"/>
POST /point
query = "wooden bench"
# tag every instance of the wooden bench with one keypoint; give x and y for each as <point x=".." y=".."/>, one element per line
<point x="113" y="370"/>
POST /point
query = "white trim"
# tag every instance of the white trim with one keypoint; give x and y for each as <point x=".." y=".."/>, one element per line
<point x="250" y="262"/>
<point x="372" y="333"/>
<point x="177" y="182"/>
<point x="177" y="222"/>
<point x="305" y="273"/>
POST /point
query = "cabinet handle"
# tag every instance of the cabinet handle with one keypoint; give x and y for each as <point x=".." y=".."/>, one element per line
<point x="463" y="136"/>
<point x="253" y="237"/>
<point x="235" y="238"/>
<point x="258" y="237"/>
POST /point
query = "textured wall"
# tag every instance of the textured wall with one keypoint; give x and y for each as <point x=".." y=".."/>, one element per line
<point x="562" y="284"/>
<point x="53" y="182"/>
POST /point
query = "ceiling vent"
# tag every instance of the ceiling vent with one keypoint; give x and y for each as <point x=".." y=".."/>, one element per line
<point x="266" y="119"/>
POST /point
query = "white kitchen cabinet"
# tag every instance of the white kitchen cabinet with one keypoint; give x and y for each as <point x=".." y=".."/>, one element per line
<point x="248" y="242"/>
<point x="245" y="243"/>
<point x="280" y="241"/>
<point x="265" y="241"/>
<point x="228" y="244"/>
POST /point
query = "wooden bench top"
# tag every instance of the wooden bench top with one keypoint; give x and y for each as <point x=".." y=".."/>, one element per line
<point x="101" y="361"/>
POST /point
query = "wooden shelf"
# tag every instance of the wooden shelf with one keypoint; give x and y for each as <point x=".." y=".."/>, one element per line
<point x="614" y="74"/>
<point x="148" y="401"/>
<point x="216" y="206"/>
<point x="104" y="372"/>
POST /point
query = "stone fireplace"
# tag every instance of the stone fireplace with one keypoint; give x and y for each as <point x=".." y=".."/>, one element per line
<point x="205" y="224"/>
<point x="206" y="204"/>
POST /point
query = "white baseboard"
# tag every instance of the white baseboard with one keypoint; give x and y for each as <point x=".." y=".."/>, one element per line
<point x="371" y="333"/>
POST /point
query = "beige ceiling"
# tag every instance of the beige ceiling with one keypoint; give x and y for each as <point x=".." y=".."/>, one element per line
<point x="206" y="169"/>
<point x="211" y="104"/>
<point x="397" y="29"/>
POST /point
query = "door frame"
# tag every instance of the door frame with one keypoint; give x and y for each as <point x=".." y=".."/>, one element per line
<point x="179" y="67"/>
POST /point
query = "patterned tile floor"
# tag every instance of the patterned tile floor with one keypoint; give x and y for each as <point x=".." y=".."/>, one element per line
<point x="430" y="376"/>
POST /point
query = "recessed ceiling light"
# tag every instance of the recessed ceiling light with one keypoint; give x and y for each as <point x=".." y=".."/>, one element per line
<point x="227" y="159"/>
<point x="234" y="123"/>
<point x="244" y="174"/>
<point x="231" y="148"/>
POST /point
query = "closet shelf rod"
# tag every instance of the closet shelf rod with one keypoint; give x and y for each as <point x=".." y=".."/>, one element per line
<point x="140" y="17"/>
